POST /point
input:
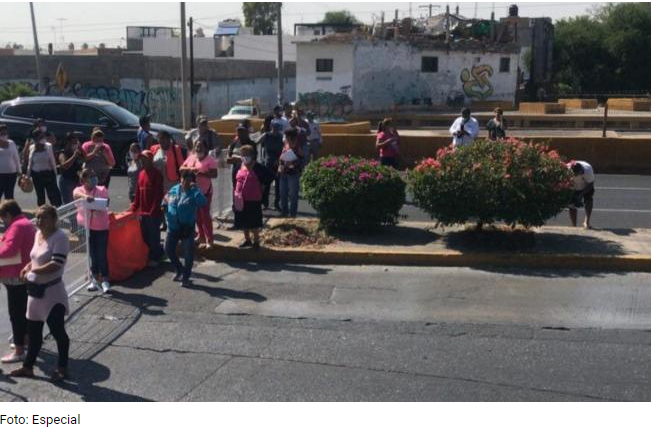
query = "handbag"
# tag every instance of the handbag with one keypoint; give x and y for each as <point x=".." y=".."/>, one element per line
<point x="38" y="290"/>
<point x="26" y="184"/>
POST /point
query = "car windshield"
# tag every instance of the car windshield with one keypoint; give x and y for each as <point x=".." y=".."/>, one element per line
<point x="240" y="110"/>
<point x="121" y="115"/>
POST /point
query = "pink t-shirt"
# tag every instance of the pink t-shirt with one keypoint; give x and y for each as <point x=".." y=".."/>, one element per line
<point x="208" y="163"/>
<point x="391" y="150"/>
<point x="99" y="219"/>
<point x="248" y="185"/>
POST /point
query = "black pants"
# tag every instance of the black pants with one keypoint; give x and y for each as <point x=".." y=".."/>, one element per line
<point x="46" y="181"/>
<point x="56" y="324"/>
<point x="98" y="245"/>
<point x="391" y="161"/>
<point x="7" y="185"/>
<point x="17" y="303"/>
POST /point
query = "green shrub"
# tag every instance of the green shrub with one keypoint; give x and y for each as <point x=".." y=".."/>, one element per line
<point x="353" y="193"/>
<point x="489" y="181"/>
<point x="13" y="90"/>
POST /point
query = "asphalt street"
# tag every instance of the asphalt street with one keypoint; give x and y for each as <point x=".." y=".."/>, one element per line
<point x="621" y="201"/>
<point x="319" y="333"/>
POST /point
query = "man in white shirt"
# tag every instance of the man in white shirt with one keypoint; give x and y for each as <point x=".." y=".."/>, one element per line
<point x="583" y="191"/>
<point x="465" y="129"/>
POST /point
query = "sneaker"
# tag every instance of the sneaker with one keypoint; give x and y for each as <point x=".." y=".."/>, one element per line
<point x="92" y="286"/>
<point x="13" y="358"/>
<point x="245" y="244"/>
<point x="177" y="277"/>
<point x="106" y="287"/>
<point x="186" y="283"/>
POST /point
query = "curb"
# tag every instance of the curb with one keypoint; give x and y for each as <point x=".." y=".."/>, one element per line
<point x="628" y="263"/>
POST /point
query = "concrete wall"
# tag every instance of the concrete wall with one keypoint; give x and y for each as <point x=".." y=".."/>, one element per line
<point x="389" y="75"/>
<point x="326" y="93"/>
<point x="152" y="85"/>
<point x="204" y="48"/>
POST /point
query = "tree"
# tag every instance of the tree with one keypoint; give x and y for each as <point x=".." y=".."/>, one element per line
<point x="71" y="46"/>
<point x="339" y="17"/>
<point x="84" y="46"/>
<point x="260" y="16"/>
<point x="14" y="90"/>
<point x="102" y="45"/>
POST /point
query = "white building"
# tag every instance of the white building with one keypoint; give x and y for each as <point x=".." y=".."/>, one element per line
<point x="341" y="74"/>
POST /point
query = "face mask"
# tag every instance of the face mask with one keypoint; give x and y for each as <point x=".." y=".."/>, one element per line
<point x="247" y="159"/>
<point x="135" y="156"/>
<point x="42" y="128"/>
<point x="93" y="182"/>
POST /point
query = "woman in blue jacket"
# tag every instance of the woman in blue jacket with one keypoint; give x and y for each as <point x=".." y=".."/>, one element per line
<point x="182" y="202"/>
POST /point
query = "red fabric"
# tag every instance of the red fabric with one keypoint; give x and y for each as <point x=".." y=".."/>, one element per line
<point x="173" y="162"/>
<point x="127" y="252"/>
<point x="19" y="238"/>
<point x="248" y="185"/>
<point x="388" y="150"/>
<point x="149" y="193"/>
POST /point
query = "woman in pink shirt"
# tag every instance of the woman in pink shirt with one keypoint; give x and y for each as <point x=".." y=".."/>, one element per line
<point x="99" y="157"/>
<point x="388" y="143"/>
<point x="17" y="241"/>
<point x="98" y="227"/>
<point x="204" y="167"/>
<point x="248" y="190"/>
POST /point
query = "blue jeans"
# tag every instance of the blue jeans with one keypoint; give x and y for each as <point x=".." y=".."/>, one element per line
<point x="67" y="186"/>
<point x="289" y="184"/>
<point x="187" y="248"/>
<point x="98" y="245"/>
<point x="150" y="228"/>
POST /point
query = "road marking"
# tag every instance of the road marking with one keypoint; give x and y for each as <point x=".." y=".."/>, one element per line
<point x="622" y="210"/>
<point x="624" y="188"/>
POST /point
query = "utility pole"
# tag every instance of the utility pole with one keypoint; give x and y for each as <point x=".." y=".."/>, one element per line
<point x="429" y="6"/>
<point x="447" y="24"/>
<point x="184" y="59"/>
<point x="37" y="51"/>
<point x="281" y="84"/>
<point x="192" y="113"/>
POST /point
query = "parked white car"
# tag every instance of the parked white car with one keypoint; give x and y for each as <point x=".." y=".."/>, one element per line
<point x="241" y="112"/>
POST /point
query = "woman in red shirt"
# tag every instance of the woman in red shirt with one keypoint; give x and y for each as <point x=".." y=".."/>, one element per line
<point x="388" y="143"/>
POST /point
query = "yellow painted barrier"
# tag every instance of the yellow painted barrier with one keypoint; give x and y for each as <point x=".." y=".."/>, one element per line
<point x="347" y="128"/>
<point x="579" y="103"/>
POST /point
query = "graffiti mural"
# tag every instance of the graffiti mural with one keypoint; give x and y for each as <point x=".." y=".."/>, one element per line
<point x="327" y="104"/>
<point x="476" y="83"/>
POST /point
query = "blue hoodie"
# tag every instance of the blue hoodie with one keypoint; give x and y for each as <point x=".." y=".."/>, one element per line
<point x="182" y="206"/>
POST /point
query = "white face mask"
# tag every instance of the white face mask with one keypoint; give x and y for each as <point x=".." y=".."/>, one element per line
<point x="42" y="128"/>
<point x="247" y="159"/>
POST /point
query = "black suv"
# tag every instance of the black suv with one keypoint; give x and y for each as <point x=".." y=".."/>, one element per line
<point x="64" y="114"/>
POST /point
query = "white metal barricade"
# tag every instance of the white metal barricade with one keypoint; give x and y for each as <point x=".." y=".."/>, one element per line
<point x="223" y="189"/>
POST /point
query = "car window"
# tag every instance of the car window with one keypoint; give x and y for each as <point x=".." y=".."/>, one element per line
<point x="27" y="110"/>
<point x="83" y="114"/>
<point x="56" y="112"/>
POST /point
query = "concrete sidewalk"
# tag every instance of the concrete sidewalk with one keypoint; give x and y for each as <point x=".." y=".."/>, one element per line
<point x="423" y="244"/>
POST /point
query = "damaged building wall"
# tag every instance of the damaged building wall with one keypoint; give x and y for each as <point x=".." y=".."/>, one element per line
<point x="389" y="75"/>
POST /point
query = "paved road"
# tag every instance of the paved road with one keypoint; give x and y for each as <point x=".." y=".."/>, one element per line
<point x="270" y="332"/>
<point x="621" y="201"/>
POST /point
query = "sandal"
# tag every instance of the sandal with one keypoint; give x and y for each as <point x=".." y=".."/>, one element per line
<point x="22" y="372"/>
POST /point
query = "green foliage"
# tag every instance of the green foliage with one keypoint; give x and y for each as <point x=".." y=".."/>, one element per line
<point x="339" y="17"/>
<point x="13" y="90"/>
<point x="261" y="17"/>
<point x="490" y="181"/>
<point x="353" y="193"/>
<point x="605" y="52"/>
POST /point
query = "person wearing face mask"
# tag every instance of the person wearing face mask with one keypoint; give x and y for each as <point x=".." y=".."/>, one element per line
<point x="497" y="125"/>
<point x="182" y="203"/>
<point x="71" y="161"/>
<point x="272" y="145"/>
<point x="39" y="125"/>
<point x="147" y="205"/>
<point x="98" y="229"/>
<point x="289" y="173"/>
<point x="234" y="157"/>
<point x="204" y="167"/>
<point x="42" y="168"/>
<point x="168" y="159"/>
<point x="15" y="245"/>
<point x="247" y="198"/>
<point x="133" y="171"/>
<point x="99" y="157"/>
<point x="10" y="167"/>
<point x="388" y="143"/>
<point x="47" y="297"/>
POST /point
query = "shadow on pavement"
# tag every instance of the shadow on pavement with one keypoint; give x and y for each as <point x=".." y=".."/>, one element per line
<point x="225" y="293"/>
<point x="390" y="236"/>
<point x="617" y="231"/>
<point x="271" y="267"/>
<point x="548" y="273"/>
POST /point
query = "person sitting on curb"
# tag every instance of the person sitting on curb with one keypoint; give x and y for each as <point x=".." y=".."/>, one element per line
<point x="583" y="191"/>
<point x="465" y="129"/>
<point x="181" y="205"/>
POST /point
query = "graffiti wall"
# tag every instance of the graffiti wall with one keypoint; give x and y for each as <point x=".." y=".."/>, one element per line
<point x="476" y="81"/>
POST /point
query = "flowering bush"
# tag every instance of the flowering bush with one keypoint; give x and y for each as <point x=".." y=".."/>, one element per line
<point x="488" y="181"/>
<point x="350" y="192"/>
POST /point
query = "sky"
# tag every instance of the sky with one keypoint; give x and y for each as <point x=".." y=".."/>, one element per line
<point x="61" y="23"/>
